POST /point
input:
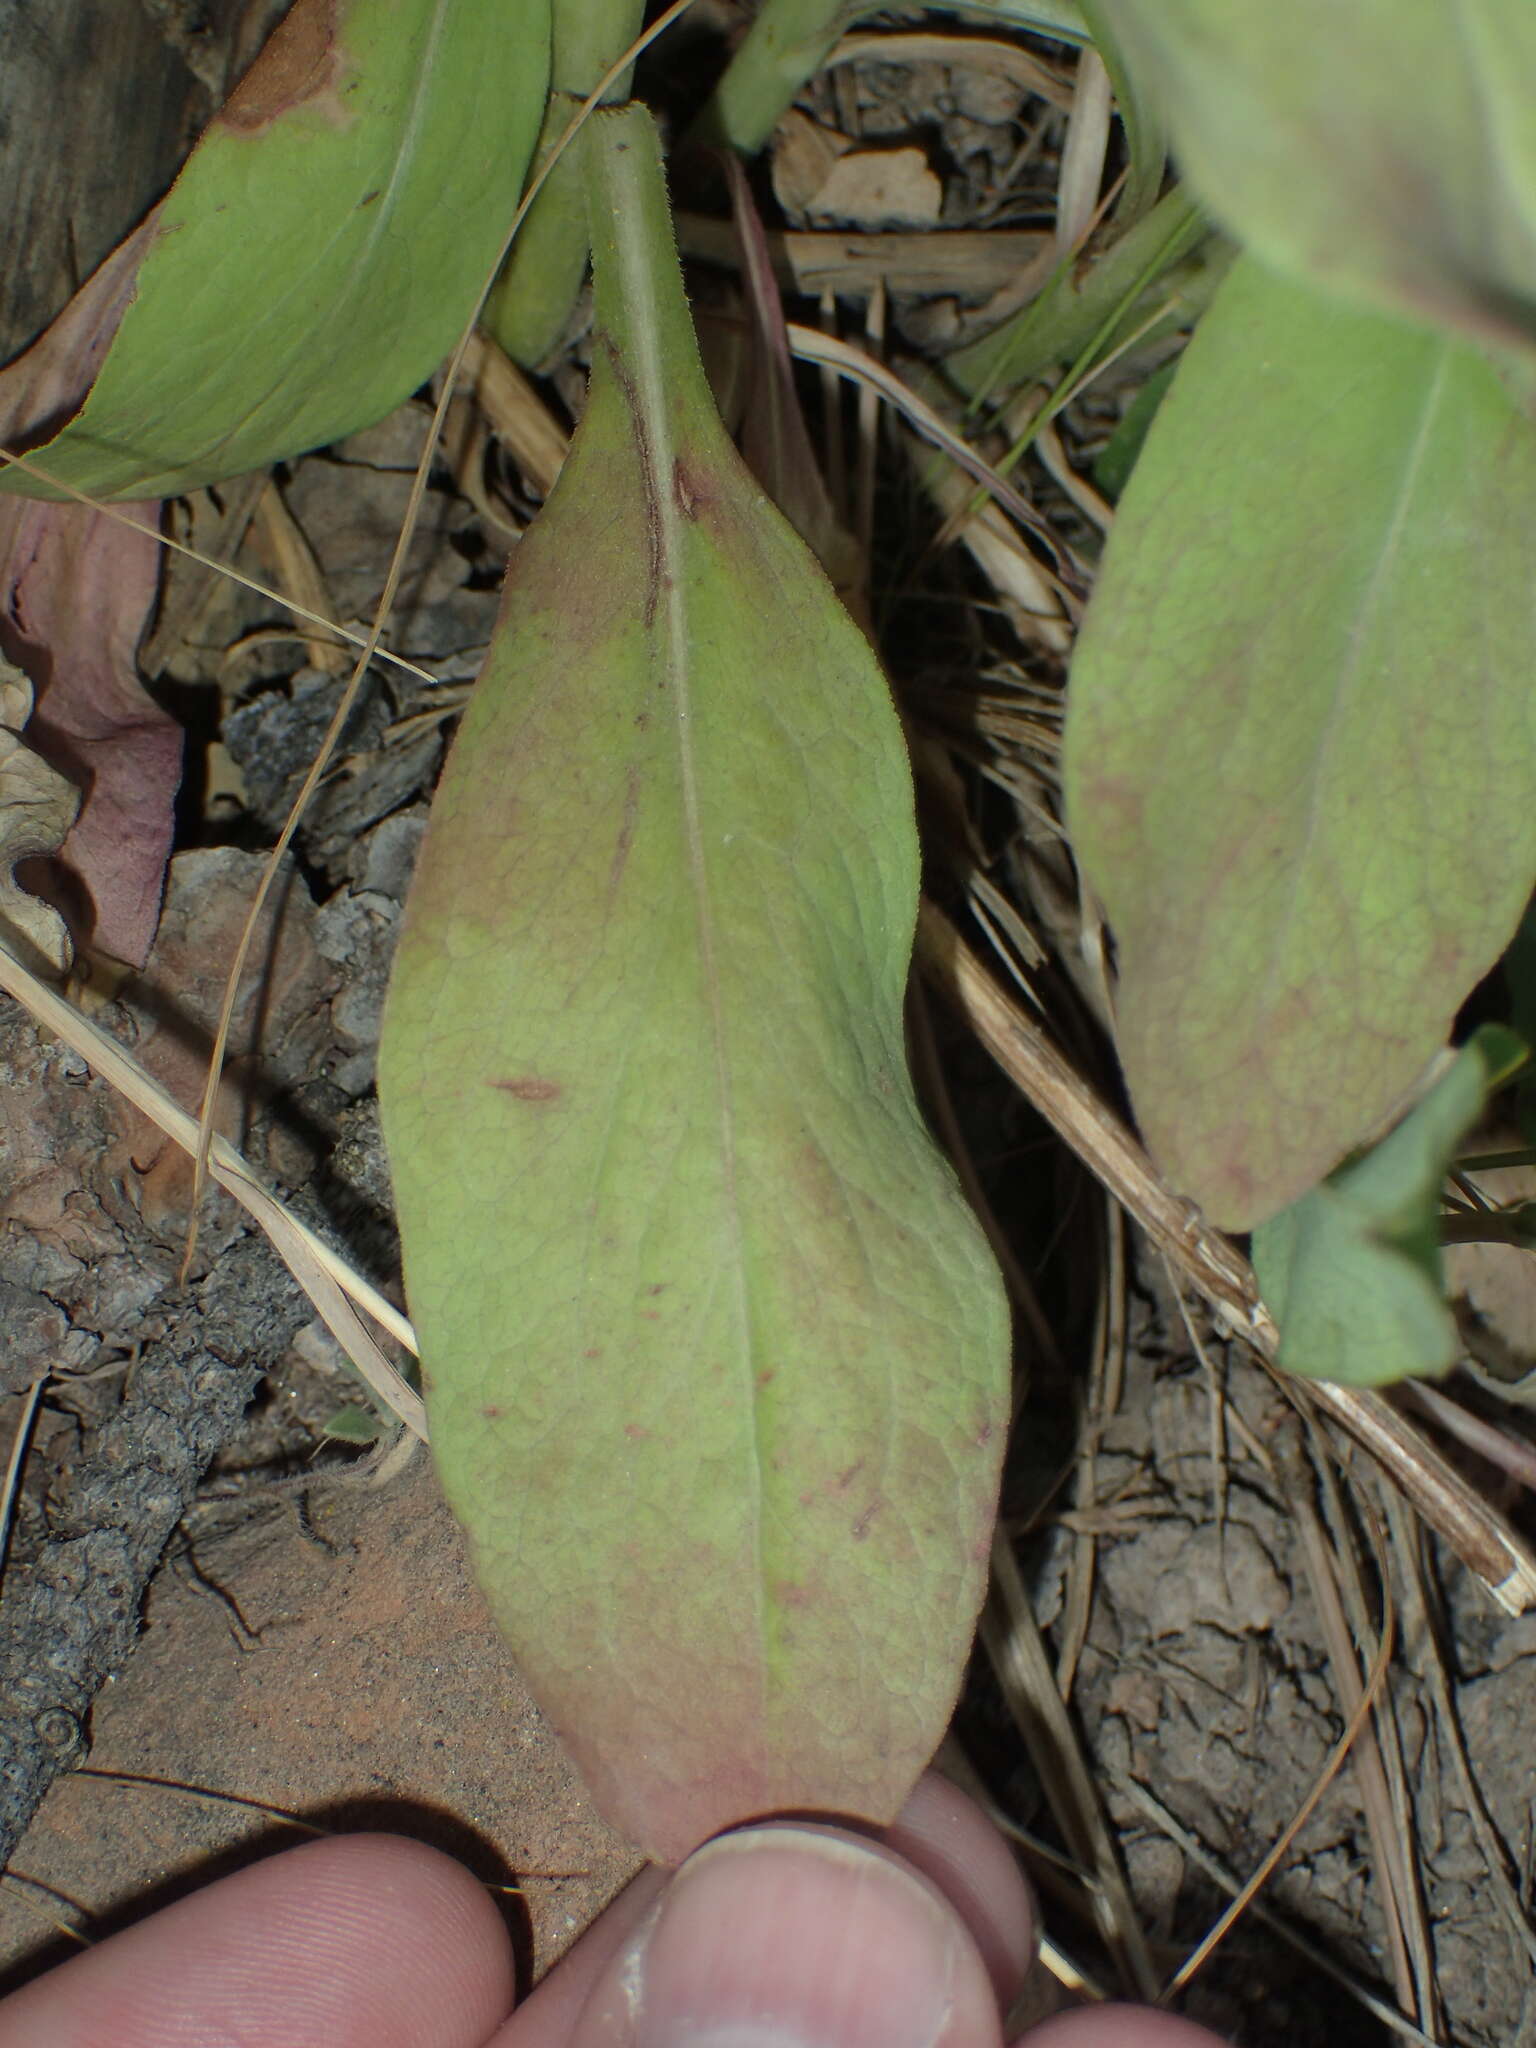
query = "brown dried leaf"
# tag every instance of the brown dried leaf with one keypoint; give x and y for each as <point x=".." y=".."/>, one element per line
<point x="879" y="188"/>
<point x="75" y="592"/>
<point x="37" y="808"/>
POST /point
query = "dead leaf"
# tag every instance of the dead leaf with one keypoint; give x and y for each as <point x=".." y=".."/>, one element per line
<point x="803" y="156"/>
<point x="878" y="188"/>
<point x="75" y="594"/>
<point x="37" y="808"/>
<point x="76" y="589"/>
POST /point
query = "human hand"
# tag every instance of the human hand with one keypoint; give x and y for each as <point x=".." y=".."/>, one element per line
<point x="781" y="1936"/>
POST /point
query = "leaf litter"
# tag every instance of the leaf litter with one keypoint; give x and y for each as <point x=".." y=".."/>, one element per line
<point x="1141" y="1491"/>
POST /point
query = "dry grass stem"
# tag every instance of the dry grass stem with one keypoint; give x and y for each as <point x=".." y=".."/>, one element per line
<point x="1011" y="1637"/>
<point x="1190" y="1846"/>
<point x="1081" y="178"/>
<point x="1201" y="1954"/>
<point x="329" y="1282"/>
<point x="22" y="1888"/>
<point x="872" y="376"/>
<point x="30" y="1401"/>
<point x="1212" y="1264"/>
<point x="300" y="576"/>
<point x="1388" y="1822"/>
<point x="517" y="415"/>
<point x="1510" y="1454"/>
<point x="225" y="569"/>
<point x="1106" y="1386"/>
<point x="1424" y="1645"/>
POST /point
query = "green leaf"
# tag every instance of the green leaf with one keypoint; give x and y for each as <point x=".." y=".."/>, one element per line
<point x="1145" y="140"/>
<point x="1385" y="149"/>
<point x="1112" y="471"/>
<point x="1352" y="1272"/>
<point x="1301" y="739"/>
<point x="715" y="1355"/>
<point x="322" y="249"/>
<point x="353" y="1425"/>
<point x="786" y="44"/>
<point x="531" y="307"/>
<point x="1148" y="282"/>
<point x="1060" y="18"/>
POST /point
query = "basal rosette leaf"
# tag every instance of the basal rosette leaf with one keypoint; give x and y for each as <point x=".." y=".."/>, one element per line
<point x="1301" y="738"/>
<point x="1385" y="150"/>
<point x="317" y="257"/>
<point x="715" y="1354"/>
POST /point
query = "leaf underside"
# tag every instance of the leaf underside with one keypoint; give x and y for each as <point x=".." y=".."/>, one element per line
<point x="715" y="1354"/>
<point x="1301" y="739"/>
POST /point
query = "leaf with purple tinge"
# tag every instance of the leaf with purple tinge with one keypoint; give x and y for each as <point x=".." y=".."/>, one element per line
<point x="1301" y="733"/>
<point x="76" y="589"/>
<point x="716" y="1358"/>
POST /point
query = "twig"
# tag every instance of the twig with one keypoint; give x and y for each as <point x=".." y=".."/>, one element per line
<point x="331" y="1285"/>
<point x="1214" y="1266"/>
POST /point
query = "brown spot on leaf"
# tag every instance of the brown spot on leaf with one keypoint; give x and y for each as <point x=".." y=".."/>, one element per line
<point x="689" y="489"/>
<point x="490" y="1412"/>
<point x="642" y="436"/>
<point x="626" y="828"/>
<point x="636" y="1432"/>
<point x="300" y="66"/>
<point x="846" y="1479"/>
<point x="861" y="1526"/>
<point x="530" y="1088"/>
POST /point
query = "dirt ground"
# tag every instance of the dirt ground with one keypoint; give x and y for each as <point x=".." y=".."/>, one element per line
<point x="311" y="1649"/>
<point x="316" y="1651"/>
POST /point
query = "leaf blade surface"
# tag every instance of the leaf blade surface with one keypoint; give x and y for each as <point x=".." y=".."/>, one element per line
<point x="1353" y="1272"/>
<point x="1384" y="150"/>
<point x="1301" y="738"/>
<point x="321" y="250"/>
<point x="716" y="1356"/>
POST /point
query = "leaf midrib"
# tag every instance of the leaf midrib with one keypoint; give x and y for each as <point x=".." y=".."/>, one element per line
<point x="659" y="408"/>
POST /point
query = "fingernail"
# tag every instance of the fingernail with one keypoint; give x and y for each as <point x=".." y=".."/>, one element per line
<point x="784" y="1937"/>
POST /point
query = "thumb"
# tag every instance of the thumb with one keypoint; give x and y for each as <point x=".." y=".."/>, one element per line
<point x="791" y="1936"/>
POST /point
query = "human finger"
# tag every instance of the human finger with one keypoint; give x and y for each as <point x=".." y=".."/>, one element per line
<point x="1118" y="2026"/>
<point x="363" y="1941"/>
<point x="784" y="1934"/>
